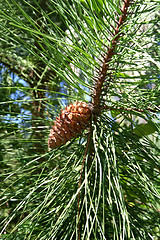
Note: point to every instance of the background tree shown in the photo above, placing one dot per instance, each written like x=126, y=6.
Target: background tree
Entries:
x=104, y=183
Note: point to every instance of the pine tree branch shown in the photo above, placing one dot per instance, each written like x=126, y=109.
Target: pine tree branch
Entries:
x=105, y=67
x=14, y=67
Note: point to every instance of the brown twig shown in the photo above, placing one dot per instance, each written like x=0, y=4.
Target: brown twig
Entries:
x=105, y=66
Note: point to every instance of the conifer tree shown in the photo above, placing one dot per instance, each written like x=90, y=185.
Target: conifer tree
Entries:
x=81, y=157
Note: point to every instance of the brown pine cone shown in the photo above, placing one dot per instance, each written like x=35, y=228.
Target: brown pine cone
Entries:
x=71, y=122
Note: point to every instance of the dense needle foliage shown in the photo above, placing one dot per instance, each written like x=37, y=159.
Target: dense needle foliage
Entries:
x=104, y=184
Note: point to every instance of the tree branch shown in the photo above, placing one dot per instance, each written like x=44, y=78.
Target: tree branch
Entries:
x=13, y=66
x=105, y=67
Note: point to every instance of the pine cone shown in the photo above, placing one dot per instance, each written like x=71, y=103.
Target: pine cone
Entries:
x=71, y=122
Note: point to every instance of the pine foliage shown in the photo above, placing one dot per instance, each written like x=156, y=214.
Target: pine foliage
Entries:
x=104, y=182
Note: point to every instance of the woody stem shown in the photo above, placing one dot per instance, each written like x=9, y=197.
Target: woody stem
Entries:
x=105, y=66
